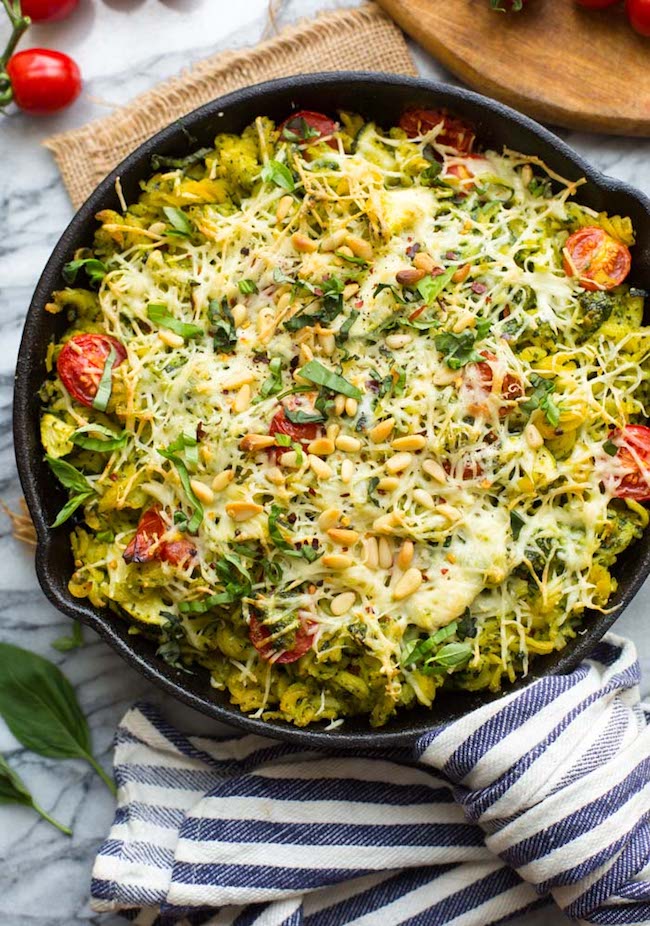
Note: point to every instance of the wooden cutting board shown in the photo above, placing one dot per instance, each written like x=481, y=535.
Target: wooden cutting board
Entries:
x=556, y=61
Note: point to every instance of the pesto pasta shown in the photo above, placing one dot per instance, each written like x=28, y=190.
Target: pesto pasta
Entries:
x=348, y=414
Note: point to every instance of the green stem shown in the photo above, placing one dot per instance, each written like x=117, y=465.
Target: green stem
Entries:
x=55, y=823
x=105, y=777
x=19, y=25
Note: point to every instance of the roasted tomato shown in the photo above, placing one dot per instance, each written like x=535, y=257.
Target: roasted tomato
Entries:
x=260, y=636
x=511, y=386
x=634, y=457
x=596, y=258
x=455, y=133
x=82, y=361
x=150, y=528
x=306, y=128
x=300, y=432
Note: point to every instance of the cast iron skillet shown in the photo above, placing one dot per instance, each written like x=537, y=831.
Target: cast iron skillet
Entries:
x=382, y=98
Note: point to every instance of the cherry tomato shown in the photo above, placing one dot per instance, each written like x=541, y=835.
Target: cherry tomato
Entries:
x=634, y=456
x=303, y=434
x=638, y=12
x=454, y=134
x=150, y=528
x=511, y=386
x=600, y=261
x=307, y=128
x=82, y=361
x=43, y=81
x=40, y=11
x=259, y=637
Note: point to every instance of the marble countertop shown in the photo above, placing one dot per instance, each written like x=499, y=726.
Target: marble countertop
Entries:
x=124, y=47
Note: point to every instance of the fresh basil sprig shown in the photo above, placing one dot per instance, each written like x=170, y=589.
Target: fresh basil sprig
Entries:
x=431, y=658
x=13, y=790
x=95, y=270
x=75, y=640
x=279, y=174
x=40, y=708
x=158, y=314
x=76, y=482
x=316, y=373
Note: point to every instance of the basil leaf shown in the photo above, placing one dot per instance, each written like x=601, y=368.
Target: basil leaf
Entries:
x=247, y=287
x=343, y=333
x=275, y=172
x=422, y=648
x=70, y=507
x=380, y=287
x=282, y=440
x=274, y=531
x=159, y=315
x=610, y=448
x=40, y=708
x=75, y=640
x=297, y=129
x=105, y=387
x=315, y=372
x=161, y=160
x=273, y=383
x=351, y=259
x=178, y=220
x=298, y=416
x=225, y=333
x=95, y=270
x=13, y=790
x=516, y=523
x=541, y=398
x=188, y=445
x=452, y=655
x=431, y=287
x=457, y=349
x=197, y=516
x=68, y=475
x=111, y=442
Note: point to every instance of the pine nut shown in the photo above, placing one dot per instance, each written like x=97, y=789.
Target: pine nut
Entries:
x=264, y=322
x=424, y=262
x=381, y=431
x=386, y=522
x=334, y=241
x=332, y=431
x=303, y=243
x=409, y=276
x=348, y=444
x=306, y=354
x=344, y=251
x=239, y=314
x=397, y=341
x=339, y=405
x=275, y=476
x=253, y=443
x=371, y=550
x=350, y=290
x=237, y=381
x=320, y=468
x=203, y=492
x=171, y=339
x=351, y=407
x=408, y=584
x=329, y=518
x=284, y=205
x=242, y=399
x=444, y=376
x=533, y=437
x=342, y=603
x=449, y=512
x=327, y=344
x=243, y=511
x=346, y=538
x=359, y=247
x=399, y=462
x=434, y=470
x=347, y=471
x=337, y=561
x=385, y=553
x=280, y=291
x=388, y=484
x=405, y=555
x=222, y=479
x=461, y=274
x=290, y=459
x=283, y=302
x=321, y=447
x=424, y=498
x=409, y=442
x=464, y=322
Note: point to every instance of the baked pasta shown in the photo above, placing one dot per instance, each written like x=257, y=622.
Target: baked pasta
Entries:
x=349, y=414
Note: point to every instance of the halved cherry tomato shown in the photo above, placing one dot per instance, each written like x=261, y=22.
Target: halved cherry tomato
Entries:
x=306, y=128
x=599, y=260
x=259, y=637
x=43, y=81
x=638, y=12
x=511, y=386
x=150, y=528
x=47, y=10
x=634, y=455
x=302, y=434
x=82, y=361
x=454, y=133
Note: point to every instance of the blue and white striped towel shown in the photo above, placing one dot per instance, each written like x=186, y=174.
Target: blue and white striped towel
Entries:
x=542, y=794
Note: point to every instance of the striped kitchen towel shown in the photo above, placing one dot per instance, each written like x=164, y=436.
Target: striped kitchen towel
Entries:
x=542, y=795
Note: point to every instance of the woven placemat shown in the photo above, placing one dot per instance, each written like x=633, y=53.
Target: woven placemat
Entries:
x=350, y=39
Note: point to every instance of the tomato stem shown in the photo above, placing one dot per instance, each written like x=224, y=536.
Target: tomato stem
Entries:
x=19, y=25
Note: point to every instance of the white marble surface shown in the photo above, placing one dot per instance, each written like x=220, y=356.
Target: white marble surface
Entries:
x=123, y=47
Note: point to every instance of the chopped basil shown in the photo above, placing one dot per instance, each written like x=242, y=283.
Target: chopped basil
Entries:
x=180, y=223
x=158, y=314
x=188, y=445
x=105, y=387
x=246, y=287
x=298, y=416
x=95, y=270
x=457, y=349
x=111, y=441
x=393, y=290
x=516, y=523
x=316, y=373
x=541, y=398
x=351, y=259
x=610, y=448
x=282, y=440
x=300, y=130
x=273, y=383
x=185, y=442
x=277, y=538
x=343, y=333
x=275, y=172
x=161, y=160
x=224, y=331
x=431, y=287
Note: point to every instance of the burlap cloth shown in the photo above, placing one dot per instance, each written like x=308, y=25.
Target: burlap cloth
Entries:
x=358, y=39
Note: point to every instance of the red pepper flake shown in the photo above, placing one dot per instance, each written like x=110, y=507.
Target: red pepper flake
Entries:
x=358, y=304
x=444, y=571
x=451, y=255
x=479, y=288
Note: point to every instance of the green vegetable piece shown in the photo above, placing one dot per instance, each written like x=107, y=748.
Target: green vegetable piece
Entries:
x=13, y=790
x=110, y=442
x=457, y=349
x=431, y=287
x=278, y=173
x=159, y=315
x=225, y=333
x=453, y=655
x=95, y=270
x=105, y=387
x=161, y=160
x=180, y=223
x=72, y=479
x=343, y=333
x=197, y=516
x=75, y=640
x=541, y=398
x=246, y=287
x=516, y=523
x=70, y=507
x=610, y=448
x=298, y=416
x=315, y=372
x=40, y=708
x=273, y=383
